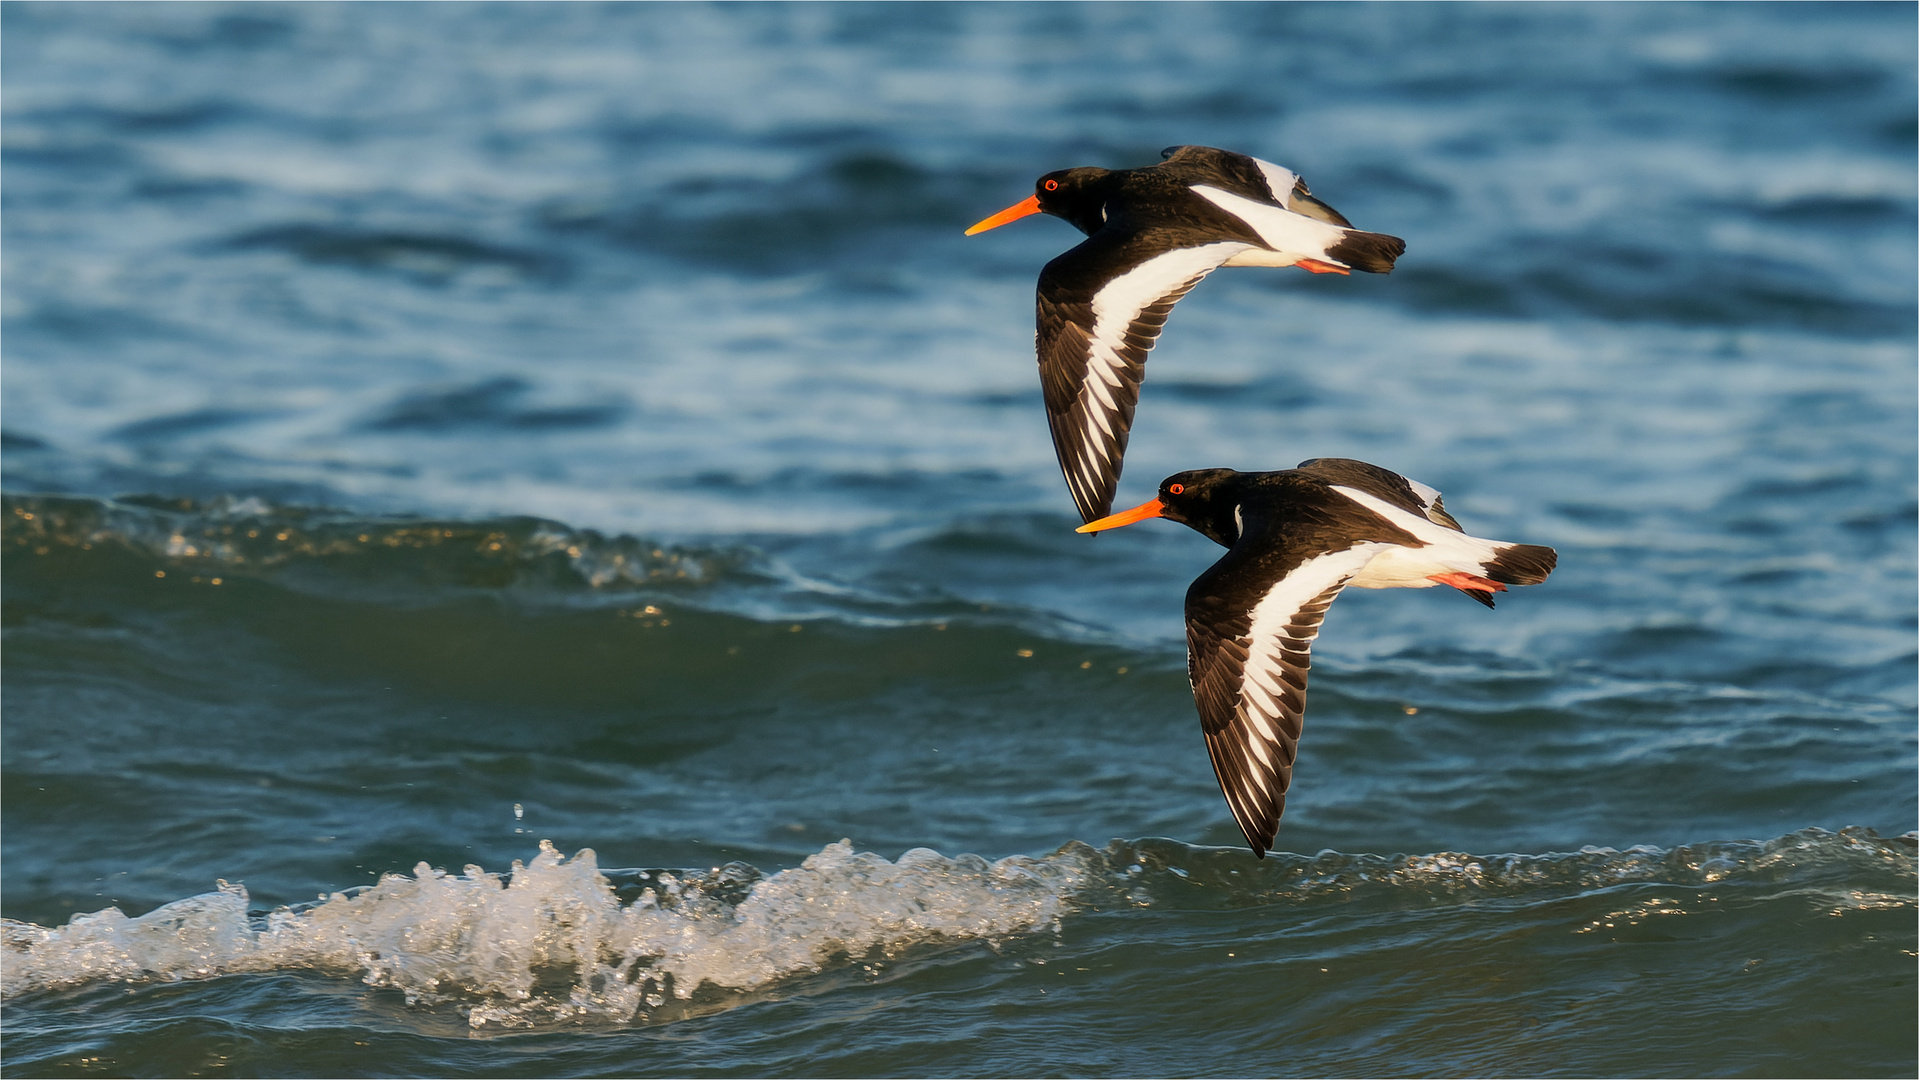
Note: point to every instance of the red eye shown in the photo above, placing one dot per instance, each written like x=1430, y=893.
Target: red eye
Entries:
x=1052, y=185
x=1176, y=489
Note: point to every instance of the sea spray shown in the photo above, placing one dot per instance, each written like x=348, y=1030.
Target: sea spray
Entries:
x=556, y=939
x=485, y=941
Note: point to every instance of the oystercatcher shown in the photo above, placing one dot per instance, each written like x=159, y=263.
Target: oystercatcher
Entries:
x=1295, y=538
x=1153, y=233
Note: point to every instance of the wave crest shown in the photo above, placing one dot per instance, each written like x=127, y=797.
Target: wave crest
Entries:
x=559, y=940
x=238, y=537
x=1171, y=874
x=554, y=940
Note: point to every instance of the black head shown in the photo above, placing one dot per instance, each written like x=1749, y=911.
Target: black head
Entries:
x=1205, y=500
x=1077, y=195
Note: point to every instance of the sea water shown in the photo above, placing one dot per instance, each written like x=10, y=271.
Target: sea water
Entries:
x=531, y=546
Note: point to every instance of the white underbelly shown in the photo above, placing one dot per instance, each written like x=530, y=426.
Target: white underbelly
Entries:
x=1262, y=257
x=1399, y=568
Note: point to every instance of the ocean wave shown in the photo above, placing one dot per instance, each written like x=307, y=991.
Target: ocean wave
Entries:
x=1169, y=873
x=1612, y=282
x=837, y=205
x=425, y=256
x=557, y=939
x=518, y=610
x=229, y=538
x=400, y=564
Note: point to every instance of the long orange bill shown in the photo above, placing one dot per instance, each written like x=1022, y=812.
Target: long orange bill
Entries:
x=1012, y=213
x=1124, y=517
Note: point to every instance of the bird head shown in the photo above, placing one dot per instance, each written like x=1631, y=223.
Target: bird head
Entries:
x=1204, y=500
x=1073, y=194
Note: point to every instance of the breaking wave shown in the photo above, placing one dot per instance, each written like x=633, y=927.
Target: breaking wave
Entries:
x=558, y=939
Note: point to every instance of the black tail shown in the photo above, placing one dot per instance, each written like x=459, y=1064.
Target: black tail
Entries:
x=1369, y=251
x=1522, y=564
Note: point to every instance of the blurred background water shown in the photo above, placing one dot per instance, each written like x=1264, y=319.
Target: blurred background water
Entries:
x=435, y=429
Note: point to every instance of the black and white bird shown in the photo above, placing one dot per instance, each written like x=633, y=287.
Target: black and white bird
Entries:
x=1295, y=538
x=1152, y=234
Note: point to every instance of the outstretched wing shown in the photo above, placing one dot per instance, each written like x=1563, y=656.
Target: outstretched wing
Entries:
x=1100, y=309
x=1250, y=625
x=1439, y=549
x=1400, y=491
x=1275, y=202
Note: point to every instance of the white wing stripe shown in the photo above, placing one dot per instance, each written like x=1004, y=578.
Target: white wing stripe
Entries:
x=1267, y=635
x=1428, y=531
x=1100, y=401
x=1119, y=302
x=1282, y=229
x=1427, y=495
x=1260, y=676
x=1134, y=291
x=1101, y=388
x=1279, y=178
x=1259, y=777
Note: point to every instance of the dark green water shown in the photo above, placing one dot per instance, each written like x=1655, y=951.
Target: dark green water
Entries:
x=432, y=432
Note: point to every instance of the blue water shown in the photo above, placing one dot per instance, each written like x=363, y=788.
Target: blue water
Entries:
x=435, y=430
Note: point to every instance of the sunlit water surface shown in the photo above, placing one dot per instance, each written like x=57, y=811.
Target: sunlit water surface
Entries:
x=432, y=431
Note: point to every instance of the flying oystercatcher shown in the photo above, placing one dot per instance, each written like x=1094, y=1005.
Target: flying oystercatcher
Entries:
x=1153, y=233
x=1295, y=538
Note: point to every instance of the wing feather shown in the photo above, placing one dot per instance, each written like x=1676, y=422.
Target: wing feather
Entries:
x=1250, y=625
x=1094, y=329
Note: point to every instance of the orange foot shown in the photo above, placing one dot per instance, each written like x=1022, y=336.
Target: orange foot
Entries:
x=1318, y=267
x=1465, y=582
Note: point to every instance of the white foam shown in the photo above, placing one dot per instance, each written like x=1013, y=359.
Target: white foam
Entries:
x=483, y=941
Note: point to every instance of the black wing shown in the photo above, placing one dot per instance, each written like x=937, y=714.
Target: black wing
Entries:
x=1250, y=625
x=1100, y=309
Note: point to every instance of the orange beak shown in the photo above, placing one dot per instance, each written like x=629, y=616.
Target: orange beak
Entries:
x=1012, y=213
x=1124, y=517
